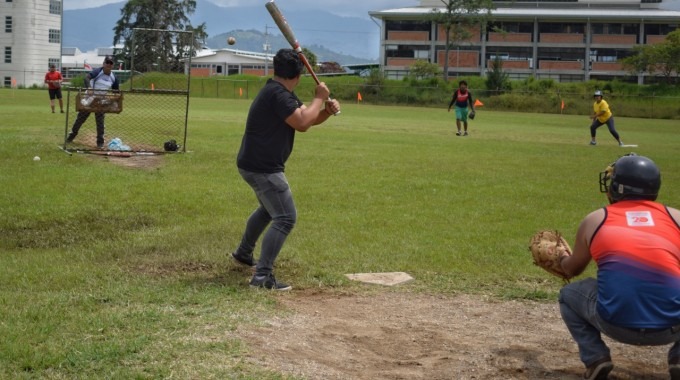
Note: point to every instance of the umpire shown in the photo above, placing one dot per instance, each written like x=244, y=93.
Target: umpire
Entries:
x=635, y=243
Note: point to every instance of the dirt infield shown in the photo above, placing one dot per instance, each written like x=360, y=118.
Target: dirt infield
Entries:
x=413, y=336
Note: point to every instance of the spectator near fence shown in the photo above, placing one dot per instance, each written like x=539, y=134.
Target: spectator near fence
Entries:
x=53, y=79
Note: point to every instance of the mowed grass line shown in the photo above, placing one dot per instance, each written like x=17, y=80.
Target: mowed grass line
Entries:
x=108, y=271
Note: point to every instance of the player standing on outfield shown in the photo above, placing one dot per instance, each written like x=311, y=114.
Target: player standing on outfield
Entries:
x=101, y=80
x=635, y=243
x=53, y=79
x=602, y=115
x=462, y=98
x=274, y=117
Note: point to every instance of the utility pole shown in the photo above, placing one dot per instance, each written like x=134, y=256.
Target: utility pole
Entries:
x=266, y=47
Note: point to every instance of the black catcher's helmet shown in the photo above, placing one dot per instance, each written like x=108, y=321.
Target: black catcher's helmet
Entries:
x=631, y=177
x=171, y=146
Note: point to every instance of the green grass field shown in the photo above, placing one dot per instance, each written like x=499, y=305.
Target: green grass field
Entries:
x=108, y=271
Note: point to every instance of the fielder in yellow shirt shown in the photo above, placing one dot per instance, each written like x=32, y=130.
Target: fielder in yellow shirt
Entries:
x=602, y=115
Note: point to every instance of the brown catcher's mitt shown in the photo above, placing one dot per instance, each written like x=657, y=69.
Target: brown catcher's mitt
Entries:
x=548, y=248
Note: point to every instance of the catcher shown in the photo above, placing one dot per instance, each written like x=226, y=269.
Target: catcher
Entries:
x=635, y=243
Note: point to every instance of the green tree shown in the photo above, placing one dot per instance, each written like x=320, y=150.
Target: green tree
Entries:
x=311, y=58
x=497, y=79
x=661, y=58
x=457, y=17
x=161, y=51
x=423, y=69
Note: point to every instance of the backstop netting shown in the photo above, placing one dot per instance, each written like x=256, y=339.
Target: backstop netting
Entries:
x=152, y=107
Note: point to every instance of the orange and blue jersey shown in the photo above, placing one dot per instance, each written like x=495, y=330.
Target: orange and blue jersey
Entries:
x=637, y=251
x=461, y=99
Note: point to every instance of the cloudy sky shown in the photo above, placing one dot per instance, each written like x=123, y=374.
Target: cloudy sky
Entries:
x=340, y=7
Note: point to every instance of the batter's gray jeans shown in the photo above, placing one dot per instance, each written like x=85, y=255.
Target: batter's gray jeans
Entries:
x=578, y=306
x=276, y=207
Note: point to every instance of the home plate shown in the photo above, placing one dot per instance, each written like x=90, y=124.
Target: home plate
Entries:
x=389, y=279
x=629, y=146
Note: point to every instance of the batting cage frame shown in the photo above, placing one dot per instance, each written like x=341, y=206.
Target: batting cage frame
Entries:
x=149, y=114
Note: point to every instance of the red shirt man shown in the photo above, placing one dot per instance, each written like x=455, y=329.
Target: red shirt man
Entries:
x=53, y=79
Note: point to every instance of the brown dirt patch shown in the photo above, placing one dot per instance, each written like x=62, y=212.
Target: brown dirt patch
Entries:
x=134, y=161
x=418, y=336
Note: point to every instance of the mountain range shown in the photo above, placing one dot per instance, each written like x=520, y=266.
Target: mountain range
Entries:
x=330, y=37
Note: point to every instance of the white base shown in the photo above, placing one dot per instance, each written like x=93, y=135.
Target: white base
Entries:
x=389, y=279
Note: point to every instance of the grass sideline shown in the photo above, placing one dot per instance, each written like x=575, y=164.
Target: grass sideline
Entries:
x=117, y=272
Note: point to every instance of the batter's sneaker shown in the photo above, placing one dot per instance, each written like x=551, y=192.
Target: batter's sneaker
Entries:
x=458, y=133
x=465, y=133
x=70, y=137
x=243, y=260
x=599, y=370
x=674, y=368
x=593, y=143
x=620, y=143
x=268, y=282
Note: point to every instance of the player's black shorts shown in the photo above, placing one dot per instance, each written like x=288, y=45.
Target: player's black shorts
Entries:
x=55, y=94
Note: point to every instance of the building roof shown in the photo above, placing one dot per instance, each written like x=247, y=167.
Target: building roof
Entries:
x=547, y=13
x=73, y=57
x=231, y=56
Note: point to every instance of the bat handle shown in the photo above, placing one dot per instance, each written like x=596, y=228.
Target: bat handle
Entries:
x=311, y=71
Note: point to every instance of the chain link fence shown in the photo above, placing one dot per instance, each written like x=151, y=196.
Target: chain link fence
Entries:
x=149, y=113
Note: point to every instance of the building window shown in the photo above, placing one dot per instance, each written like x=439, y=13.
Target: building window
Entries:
x=659, y=29
x=511, y=27
x=55, y=36
x=7, y=82
x=615, y=29
x=561, y=27
x=8, y=24
x=8, y=54
x=55, y=7
x=54, y=61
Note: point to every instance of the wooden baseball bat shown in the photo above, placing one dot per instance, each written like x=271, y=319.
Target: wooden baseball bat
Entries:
x=287, y=32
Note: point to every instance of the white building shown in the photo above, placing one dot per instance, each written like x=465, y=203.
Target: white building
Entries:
x=30, y=40
x=230, y=61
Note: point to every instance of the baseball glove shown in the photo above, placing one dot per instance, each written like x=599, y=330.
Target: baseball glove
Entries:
x=548, y=248
x=471, y=115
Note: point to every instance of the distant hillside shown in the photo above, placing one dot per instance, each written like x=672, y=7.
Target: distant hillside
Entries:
x=254, y=40
x=340, y=39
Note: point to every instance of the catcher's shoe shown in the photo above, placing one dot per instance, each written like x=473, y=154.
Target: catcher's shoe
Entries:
x=243, y=260
x=674, y=368
x=599, y=370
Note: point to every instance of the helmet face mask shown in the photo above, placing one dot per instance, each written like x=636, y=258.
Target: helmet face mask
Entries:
x=631, y=177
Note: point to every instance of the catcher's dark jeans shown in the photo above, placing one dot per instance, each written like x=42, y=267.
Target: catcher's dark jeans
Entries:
x=99, y=119
x=578, y=303
x=610, y=125
x=277, y=207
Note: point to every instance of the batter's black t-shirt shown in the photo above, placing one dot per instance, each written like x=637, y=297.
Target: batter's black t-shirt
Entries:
x=268, y=140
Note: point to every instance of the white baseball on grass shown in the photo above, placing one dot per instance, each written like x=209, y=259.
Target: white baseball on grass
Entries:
x=36, y=158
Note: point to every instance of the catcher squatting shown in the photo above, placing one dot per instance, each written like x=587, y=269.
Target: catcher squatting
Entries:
x=635, y=243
